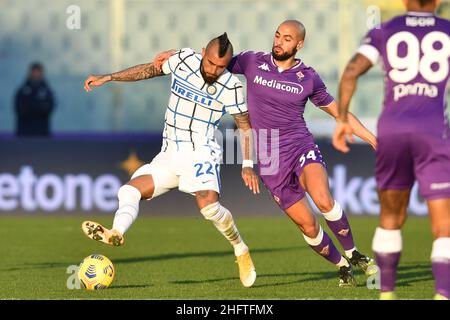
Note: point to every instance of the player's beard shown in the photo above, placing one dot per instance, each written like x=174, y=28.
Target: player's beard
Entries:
x=208, y=79
x=285, y=55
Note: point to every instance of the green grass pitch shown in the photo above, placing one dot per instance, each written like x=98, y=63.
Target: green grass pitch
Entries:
x=186, y=258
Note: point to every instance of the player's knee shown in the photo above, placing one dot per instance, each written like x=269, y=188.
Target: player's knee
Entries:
x=324, y=202
x=392, y=220
x=441, y=231
x=144, y=184
x=206, y=197
x=402, y=218
x=314, y=235
x=310, y=230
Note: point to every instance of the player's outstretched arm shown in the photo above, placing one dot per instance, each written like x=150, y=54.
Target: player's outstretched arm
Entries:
x=135, y=73
x=354, y=126
x=347, y=86
x=246, y=137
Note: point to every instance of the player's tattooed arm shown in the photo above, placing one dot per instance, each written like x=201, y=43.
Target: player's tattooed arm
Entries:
x=249, y=176
x=242, y=121
x=135, y=73
x=357, y=66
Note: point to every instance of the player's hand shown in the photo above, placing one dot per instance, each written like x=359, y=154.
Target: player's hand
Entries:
x=95, y=81
x=162, y=57
x=373, y=142
x=342, y=134
x=250, y=179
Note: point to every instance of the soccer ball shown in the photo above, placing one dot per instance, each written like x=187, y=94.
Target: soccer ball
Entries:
x=96, y=272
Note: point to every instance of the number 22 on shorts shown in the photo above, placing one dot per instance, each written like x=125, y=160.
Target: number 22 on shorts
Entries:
x=200, y=171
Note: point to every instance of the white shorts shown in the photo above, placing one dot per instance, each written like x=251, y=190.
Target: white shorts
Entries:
x=189, y=171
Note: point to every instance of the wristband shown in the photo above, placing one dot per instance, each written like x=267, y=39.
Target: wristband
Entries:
x=247, y=164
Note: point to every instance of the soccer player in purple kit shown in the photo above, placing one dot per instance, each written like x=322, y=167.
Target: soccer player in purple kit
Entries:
x=413, y=132
x=278, y=88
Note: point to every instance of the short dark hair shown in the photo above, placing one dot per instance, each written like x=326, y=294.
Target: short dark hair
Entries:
x=224, y=45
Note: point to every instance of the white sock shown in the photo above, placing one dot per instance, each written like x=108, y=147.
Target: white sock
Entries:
x=343, y=263
x=223, y=220
x=349, y=253
x=314, y=241
x=127, y=213
x=240, y=249
x=387, y=241
x=335, y=213
x=441, y=250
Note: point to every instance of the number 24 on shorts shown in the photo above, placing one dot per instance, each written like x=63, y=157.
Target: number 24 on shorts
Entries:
x=208, y=166
x=310, y=155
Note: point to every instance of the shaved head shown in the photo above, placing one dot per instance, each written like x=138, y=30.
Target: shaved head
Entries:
x=298, y=29
x=289, y=38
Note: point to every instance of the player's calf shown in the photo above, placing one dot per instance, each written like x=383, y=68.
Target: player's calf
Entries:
x=126, y=214
x=324, y=246
x=387, y=245
x=440, y=254
x=440, y=260
x=223, y=220
x=338, y=223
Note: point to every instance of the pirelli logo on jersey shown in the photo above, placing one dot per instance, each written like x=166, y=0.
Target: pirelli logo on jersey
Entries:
x=192, y=94
x=280, y=85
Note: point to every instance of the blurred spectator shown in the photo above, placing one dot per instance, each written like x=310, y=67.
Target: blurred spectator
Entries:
x=34, y=104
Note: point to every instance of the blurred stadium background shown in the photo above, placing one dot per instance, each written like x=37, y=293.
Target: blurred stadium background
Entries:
x=118, y=33
x=100, y=138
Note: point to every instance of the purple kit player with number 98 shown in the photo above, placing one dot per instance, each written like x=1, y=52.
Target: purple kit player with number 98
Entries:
x=413, y=132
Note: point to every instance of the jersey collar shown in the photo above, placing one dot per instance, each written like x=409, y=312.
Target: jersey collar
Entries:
x=299, y=63
x=420, y=14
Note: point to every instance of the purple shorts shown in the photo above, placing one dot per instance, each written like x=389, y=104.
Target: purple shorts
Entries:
x=284, y=185
x=401, y=158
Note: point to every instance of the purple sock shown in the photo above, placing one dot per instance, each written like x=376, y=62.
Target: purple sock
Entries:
x=441, y=271
x=327, y=249
x=341, y=229
x=387, y=262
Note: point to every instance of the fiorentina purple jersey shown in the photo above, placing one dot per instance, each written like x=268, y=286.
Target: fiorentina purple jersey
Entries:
x=276, y=99
x=415, y=50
